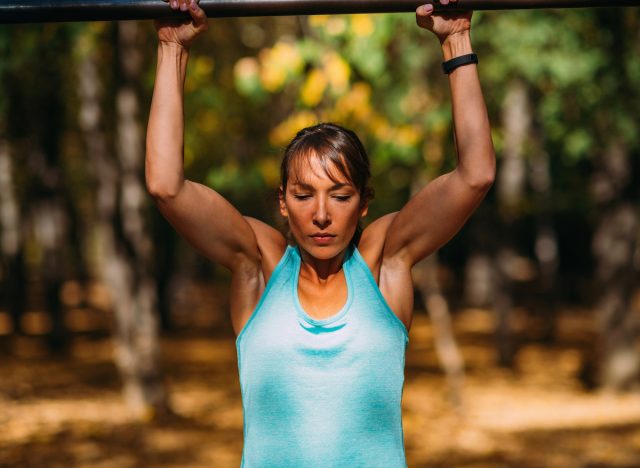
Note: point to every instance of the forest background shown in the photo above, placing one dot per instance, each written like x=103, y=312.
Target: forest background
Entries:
x=531, y=356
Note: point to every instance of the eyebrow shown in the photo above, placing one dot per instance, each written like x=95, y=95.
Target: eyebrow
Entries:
x=333, y=187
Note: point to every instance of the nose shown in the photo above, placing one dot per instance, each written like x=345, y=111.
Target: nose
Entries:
x=321, y=217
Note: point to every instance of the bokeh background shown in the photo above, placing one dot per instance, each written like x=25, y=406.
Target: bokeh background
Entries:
x=116, y=347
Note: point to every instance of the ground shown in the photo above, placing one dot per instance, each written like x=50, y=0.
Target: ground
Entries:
x=68, y=411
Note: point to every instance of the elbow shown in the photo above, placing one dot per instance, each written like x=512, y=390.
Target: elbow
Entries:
x=161, y=194
x=482, y=179
x=160, y=191
x=485, y=181
x=161, y=187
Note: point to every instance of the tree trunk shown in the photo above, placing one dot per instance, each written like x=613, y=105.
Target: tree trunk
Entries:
x=126, y=260
x=47, y=215
x=425, y=276
x=511, y=179
x=616, y=248
x=12, y=243
x=137, y=340
x=546, y=241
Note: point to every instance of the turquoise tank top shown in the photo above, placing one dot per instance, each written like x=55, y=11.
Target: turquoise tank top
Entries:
x=322, y=393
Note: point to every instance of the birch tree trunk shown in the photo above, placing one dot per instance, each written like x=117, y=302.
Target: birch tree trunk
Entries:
x=126, y=260
x=137, y=341
x=426, y=281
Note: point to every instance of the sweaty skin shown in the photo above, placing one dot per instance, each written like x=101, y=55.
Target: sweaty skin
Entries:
x=312, y=202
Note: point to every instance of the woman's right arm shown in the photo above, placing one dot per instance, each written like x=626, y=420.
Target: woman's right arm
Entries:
x=201, y=215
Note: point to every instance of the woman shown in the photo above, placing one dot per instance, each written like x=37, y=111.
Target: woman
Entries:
x=322, y=324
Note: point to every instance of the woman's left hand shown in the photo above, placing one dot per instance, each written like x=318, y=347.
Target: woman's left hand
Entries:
x=443, y=24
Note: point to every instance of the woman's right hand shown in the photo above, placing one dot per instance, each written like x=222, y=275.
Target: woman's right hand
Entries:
x=179, y=32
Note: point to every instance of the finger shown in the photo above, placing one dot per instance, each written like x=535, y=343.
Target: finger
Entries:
x=444, y=2
x=198, y=14
x=424, y=10
x=425, y=21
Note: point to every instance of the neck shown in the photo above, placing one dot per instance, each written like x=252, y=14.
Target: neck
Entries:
x=320, y=270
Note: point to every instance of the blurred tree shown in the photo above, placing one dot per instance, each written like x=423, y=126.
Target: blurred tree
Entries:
x=128, y=268
x=120, y=220
x=36, y=138
x=579, y=67
x=11, y=235
x=615, y=190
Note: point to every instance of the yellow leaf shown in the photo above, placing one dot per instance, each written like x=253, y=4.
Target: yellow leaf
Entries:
x=338, y=72
x=270, y=170
x=282, y=60
x=286, y=130
x=362, y=25
x=356, y=103
x=318, y=21
x=407, y=135
x=313, y=88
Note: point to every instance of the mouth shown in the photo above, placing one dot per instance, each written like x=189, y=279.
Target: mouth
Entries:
x=322, y=237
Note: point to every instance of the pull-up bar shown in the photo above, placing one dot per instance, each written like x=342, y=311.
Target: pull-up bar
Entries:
x=36, y=11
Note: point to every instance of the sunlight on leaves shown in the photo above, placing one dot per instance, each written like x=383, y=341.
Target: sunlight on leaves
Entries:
x=285, y=131
x=313, y=87
x=279, y=63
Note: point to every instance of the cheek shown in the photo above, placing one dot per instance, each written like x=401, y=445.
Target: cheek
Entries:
x=346, y=216
x=297, y=214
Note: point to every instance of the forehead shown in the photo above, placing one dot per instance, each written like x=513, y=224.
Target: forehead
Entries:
x=313, y=168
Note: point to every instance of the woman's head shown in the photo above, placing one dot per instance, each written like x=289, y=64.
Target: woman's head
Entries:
x=325, y=174
x=337, y=148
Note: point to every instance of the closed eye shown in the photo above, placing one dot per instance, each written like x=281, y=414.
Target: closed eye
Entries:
x=342, y=198
x=301, y=197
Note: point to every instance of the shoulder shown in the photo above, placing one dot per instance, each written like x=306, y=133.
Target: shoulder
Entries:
x=371, y=245
x=271, y=244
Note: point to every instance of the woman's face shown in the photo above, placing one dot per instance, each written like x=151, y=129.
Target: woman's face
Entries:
x=323, y=213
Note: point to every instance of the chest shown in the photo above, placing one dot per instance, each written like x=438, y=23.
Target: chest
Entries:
x=323, y=301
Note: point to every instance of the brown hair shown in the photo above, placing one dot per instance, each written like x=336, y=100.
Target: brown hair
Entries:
x=335, y=147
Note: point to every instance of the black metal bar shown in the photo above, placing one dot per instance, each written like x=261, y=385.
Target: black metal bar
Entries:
x=37, y=11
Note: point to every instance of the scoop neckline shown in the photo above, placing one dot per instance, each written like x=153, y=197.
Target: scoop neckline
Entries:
x=338, y=315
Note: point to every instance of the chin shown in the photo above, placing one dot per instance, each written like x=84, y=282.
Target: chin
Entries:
x=323, y=252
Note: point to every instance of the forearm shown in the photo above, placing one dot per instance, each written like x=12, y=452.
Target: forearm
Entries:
x=165, y=131
x=476, y=160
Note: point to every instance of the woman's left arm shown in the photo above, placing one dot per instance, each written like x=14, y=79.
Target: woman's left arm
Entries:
x=438, y=211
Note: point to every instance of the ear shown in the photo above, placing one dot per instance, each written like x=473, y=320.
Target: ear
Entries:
x=282, y=204
x=364, y=209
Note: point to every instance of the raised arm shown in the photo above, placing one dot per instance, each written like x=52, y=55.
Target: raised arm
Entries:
x=201, y=215
x=438, y=211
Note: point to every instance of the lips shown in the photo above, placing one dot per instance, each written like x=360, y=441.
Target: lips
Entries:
x=322, y=238
x=323, y=235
